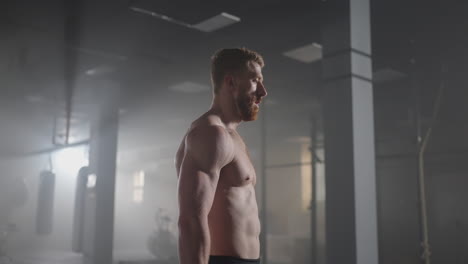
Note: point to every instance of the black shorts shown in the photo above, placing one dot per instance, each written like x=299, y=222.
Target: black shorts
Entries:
x=231, y=260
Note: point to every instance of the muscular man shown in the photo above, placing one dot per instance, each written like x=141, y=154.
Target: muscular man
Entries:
x=218, y=214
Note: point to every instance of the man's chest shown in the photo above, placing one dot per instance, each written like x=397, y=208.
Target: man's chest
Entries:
x=241, y=170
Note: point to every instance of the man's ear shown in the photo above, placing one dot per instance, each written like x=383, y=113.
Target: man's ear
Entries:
x=229, y=81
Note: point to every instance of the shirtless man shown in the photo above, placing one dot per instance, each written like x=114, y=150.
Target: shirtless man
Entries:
x=218, y=214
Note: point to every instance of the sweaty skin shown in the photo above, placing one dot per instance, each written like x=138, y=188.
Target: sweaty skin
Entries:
x=218, y=213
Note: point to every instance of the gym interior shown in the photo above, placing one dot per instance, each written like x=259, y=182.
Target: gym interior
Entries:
x=360, y=148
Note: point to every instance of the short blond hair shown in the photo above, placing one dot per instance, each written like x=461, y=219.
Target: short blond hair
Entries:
x=232, y=60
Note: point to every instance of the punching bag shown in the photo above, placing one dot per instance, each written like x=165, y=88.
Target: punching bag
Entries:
x=79, y=212
x=45, y=203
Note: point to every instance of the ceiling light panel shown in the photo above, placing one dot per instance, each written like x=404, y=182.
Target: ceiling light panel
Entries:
x=217, y=22
x=208, y=19
x=307, y=54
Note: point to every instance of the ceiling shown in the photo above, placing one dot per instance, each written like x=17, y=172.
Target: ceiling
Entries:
x=49, y=50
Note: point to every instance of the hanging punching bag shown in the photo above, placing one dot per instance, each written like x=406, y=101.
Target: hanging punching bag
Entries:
x=79, y=212
x=45, y=203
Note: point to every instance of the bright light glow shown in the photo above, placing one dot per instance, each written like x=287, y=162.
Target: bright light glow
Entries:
x=138, y=186
x=306, y=176
x=139, y=179
x=70, y=160
x=138, y=196
x=91, y=183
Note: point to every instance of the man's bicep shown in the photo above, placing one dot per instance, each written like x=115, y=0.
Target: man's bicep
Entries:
x=196, y=191
x=208, y=151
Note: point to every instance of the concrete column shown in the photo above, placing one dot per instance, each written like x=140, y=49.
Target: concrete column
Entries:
x=103, y=154
x=349, y=133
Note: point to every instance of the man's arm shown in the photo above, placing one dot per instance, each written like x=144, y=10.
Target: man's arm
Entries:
x=209, y=149
x=179, y=157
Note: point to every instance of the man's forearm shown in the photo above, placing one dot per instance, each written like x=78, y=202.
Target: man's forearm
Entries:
x=194, y=241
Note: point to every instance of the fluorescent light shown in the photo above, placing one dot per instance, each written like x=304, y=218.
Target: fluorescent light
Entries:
x=100, y=70
x=308, y=53
x=217, y=22
x=160, y=16
x=209, y=25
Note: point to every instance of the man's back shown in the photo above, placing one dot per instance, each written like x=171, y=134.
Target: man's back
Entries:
x=228, y=192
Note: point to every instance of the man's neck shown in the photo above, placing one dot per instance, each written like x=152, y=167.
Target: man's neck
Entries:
x=226, y=112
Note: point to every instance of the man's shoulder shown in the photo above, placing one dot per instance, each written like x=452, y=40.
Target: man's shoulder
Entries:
x=207, y=119
x=207, y=133
x=210, y=144
x=207, y=124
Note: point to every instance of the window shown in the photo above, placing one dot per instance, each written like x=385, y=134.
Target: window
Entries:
x=306, y=176
x=138, y=186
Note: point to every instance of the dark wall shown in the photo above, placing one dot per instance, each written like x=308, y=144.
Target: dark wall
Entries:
x=445, y=168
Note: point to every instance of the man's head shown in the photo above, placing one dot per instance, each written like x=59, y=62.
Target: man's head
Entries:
x=238, y=73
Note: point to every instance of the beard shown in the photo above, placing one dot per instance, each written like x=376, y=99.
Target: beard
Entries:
x=247, y=108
